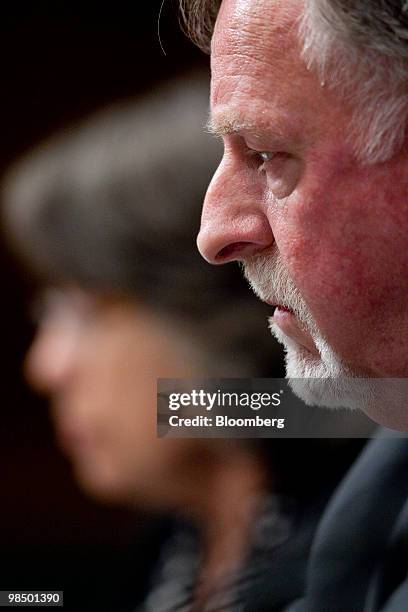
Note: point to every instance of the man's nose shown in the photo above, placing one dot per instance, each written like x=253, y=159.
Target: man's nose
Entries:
x=233, y=223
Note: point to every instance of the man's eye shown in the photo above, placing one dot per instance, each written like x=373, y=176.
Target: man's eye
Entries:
x=281, y=170
x=260, y=158
x=266, y=155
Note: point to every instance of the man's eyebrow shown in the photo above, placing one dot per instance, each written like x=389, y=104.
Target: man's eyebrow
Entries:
x=223, y=124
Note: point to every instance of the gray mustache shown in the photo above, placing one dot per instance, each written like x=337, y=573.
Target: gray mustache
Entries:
x=271, y=282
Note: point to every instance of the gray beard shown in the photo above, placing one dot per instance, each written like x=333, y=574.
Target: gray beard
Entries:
x=321, y=381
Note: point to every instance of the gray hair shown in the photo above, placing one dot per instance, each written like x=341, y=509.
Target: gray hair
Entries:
x=359, y=47
x=197, y=18
x=113, y=205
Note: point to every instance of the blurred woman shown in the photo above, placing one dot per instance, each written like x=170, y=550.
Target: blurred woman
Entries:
x=106, y=215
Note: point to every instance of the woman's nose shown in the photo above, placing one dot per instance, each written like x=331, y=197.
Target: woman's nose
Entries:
x=50, y=359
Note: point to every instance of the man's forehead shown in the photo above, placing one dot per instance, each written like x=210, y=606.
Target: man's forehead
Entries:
x=261, y=85
x=251, y=52
x=247, y=24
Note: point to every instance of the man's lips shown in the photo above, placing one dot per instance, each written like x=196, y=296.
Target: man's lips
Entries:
x=287, y=321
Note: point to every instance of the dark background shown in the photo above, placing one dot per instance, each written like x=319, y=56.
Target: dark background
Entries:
x=60, y=61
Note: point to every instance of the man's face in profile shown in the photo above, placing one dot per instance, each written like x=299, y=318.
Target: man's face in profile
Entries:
x=322, y=237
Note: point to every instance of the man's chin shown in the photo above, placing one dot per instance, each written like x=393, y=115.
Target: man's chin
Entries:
x=312, y=380
x=323, y=380
x=319, y=378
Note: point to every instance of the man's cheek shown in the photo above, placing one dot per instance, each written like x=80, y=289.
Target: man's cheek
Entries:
x=357, y=304
x=332, y=278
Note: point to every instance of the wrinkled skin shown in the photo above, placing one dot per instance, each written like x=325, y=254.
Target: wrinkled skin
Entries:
x=341, y=228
